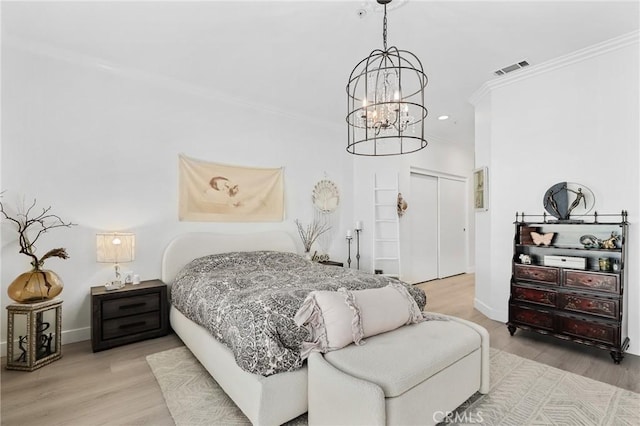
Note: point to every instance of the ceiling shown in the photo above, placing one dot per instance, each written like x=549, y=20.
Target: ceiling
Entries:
x=295, y=56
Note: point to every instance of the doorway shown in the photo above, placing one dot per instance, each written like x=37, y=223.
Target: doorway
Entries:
x=438, y=234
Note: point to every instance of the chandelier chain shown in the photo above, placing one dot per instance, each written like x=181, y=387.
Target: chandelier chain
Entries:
x=384, y=29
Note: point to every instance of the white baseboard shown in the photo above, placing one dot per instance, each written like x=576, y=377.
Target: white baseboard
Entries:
x=488, y=311
x=77, y=335
x=68, y=336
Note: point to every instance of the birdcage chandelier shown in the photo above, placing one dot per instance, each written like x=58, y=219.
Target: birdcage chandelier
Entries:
x=385, y=96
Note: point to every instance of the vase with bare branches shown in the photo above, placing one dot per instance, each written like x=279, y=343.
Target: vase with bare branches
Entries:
x=310, y=234
x=31, y=223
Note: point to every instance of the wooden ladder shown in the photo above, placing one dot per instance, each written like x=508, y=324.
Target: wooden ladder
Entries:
x=386, y=231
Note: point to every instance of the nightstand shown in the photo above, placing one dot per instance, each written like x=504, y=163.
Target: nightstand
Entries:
x=332, y=263
x=133, y=313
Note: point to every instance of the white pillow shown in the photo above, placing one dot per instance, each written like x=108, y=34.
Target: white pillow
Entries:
x=337, y=318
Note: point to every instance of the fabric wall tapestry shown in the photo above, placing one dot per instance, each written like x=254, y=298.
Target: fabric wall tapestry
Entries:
x=222, y=193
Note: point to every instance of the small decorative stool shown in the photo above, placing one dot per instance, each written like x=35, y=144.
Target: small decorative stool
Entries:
x=34, y=334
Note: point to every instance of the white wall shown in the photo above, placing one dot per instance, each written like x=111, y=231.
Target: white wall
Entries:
x=574, y=119
x=100, y=145
x=441, y=157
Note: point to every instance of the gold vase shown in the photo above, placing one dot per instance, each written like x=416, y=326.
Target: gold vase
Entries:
x=35, y=286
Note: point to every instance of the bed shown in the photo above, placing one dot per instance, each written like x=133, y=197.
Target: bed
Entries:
x=270, y=398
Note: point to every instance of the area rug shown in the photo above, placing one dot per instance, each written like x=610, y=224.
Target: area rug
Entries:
x=523, y=392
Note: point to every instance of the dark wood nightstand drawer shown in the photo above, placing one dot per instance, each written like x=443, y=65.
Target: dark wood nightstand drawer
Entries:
x=133, y=324
x=130, y=314
x=116, y=308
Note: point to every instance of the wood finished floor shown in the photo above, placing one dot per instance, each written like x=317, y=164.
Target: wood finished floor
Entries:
x=116, y=387
x=454, y=296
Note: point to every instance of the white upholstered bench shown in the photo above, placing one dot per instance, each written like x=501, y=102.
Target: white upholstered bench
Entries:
x=412, y=375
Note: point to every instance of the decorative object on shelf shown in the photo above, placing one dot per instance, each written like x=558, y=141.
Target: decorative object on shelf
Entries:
x=38, y=284
x=615, y=265
x=310, y=234
x=325, y=196
x=525, y=259
x=385, y=97
x=525, y=234
x=116, y=248
x=114, y=285
x=481, y=189
x=402, y=205
x=349, y=237
x=213, y=192
x=610, y=243
x=572, y=262
x=34, y=334
x=542, y=239
x=358, y=230
x=590, y=241
x=604, y=264
x=566, y=198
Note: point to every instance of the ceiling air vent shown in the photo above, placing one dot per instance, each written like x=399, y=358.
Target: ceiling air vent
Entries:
x=511, y=68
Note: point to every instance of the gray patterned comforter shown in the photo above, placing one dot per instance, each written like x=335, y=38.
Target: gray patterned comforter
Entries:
x=247, y=300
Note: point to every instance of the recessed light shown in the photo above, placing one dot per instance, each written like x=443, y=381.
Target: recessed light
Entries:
x=443, y=117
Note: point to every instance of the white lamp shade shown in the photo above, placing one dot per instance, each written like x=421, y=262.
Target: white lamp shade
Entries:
x=115, y=247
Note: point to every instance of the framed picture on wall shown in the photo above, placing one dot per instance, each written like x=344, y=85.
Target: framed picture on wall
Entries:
x=481, y=189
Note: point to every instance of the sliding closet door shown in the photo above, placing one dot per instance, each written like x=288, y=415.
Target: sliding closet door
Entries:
x=453, y=253
x=423, y=211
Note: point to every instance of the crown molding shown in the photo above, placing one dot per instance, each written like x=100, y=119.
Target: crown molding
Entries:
x=167, y=83
x=598, y=49
x=440, y=140
x=150, y=78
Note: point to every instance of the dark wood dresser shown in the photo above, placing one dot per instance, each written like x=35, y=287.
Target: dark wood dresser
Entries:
x=557, y=296
x=133, y=313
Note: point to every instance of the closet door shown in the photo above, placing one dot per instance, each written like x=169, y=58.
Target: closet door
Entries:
x=453, y=207
x=423, y=212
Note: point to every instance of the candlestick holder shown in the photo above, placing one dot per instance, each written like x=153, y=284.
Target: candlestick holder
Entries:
x=358, y=231
x=349, y=238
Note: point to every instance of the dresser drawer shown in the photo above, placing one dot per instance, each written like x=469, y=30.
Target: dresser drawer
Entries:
x=534, y=295
x=538, y=274
x=537, y=318
x=601, y=332
x=133, y=324
x=115, y=308
x=593, y=281
x=608, y=308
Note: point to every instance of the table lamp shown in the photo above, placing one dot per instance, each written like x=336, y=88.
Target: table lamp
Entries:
x=115, y=247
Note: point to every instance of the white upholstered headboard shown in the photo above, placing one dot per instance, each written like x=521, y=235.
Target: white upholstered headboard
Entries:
x=186, y=247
